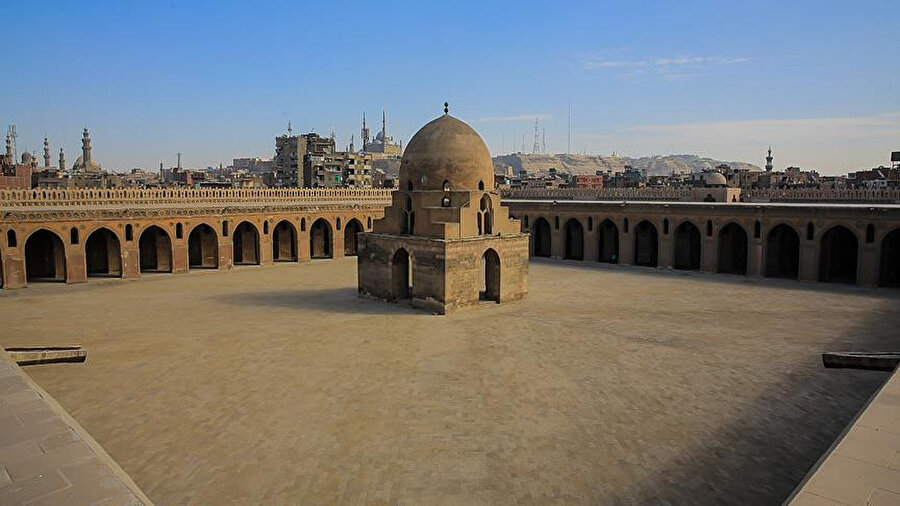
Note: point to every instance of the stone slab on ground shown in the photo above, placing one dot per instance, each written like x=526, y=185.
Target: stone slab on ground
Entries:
x=46, y=457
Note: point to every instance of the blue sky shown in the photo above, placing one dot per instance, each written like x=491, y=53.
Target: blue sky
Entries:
x=218, y=80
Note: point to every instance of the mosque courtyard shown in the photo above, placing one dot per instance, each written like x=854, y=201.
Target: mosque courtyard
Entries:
x=607, y=385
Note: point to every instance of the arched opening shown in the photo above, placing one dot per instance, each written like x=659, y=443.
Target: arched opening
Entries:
x=782, y=252
x=245, y=240
x=102, y=254
x=179, y=231
x=155, y=249
x=608, y=250
x=352, y=228
x=284, y=242
x=486, y=215
x=574, y=240
x=400, y=278
x=45, y=257
x=490, y=269
x=203, y=248
x=889, y=274
x=732, y=249
x=540, y=238
x=687, y=247
x=838, y=252
x=73, y=236
x=11, y=240
x=646, y=244
x=320, y=239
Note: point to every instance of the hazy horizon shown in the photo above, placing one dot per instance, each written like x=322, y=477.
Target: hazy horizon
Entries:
x=217, y=81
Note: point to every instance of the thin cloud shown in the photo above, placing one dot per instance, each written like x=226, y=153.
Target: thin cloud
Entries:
x=516, y=118
x=596, y=63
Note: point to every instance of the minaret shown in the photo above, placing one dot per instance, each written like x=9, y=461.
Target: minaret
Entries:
x=86, y=164
x=769, y=160
x=46, y=153
x=364, y=134
x=62, y=160
x=10, y=159
x=384, y=126
x=351, y=143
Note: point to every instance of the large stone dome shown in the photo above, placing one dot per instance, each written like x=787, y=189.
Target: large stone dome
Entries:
x=446, y=149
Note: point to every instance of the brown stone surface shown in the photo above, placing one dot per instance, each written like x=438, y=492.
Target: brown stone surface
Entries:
x=607, y=385
x=46, y=458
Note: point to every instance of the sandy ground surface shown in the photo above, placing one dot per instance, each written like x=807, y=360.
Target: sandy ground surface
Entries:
x=277, y=385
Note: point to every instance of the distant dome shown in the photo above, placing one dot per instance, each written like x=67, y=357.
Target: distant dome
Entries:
x=79, y=164
x=714, y=179
x=26, y=158
x=446, y=149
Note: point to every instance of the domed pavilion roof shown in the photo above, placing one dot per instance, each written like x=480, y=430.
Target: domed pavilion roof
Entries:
x=446, y=149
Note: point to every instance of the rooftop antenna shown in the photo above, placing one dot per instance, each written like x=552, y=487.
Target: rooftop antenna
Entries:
x=544, y=141
x=536, y=148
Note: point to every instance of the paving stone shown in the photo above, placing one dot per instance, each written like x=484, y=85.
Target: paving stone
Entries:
x=21, y=491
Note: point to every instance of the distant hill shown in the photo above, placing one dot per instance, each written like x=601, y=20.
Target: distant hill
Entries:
x=589, y=164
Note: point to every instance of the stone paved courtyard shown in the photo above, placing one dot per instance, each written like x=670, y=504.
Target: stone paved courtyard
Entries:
x=609, y=385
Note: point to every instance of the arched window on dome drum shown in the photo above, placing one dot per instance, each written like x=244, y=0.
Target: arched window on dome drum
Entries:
x=408, y=204
x=409, y=186
x=446, y=185
x=445, y=202
x=481, y=185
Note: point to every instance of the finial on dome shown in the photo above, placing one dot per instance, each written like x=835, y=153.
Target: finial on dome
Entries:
x=446, y=108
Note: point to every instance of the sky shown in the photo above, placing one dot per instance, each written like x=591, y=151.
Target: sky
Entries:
x=219, y=80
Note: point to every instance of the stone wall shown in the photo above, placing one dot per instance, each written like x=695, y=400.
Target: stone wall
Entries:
x=62, y=222
x=828, y=242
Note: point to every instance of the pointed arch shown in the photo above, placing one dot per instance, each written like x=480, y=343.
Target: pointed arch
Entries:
x=203, y=248
x=284, y=242
x=45, y=257
x=103, y=254
x=838, y=255
x=351, y=229
x=646, y=244
x=490, y=270
x=245, y=241
x=782, y=252
x=541, y=238
x=608, y=238
x=686, y=245
x=889, y=272
x=400, y=275
x=733, y=246
x=155, y=250
x=320, y=235
x=574, y=235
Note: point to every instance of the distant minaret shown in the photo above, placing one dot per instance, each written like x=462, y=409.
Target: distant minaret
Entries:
x=769, y=160
x=86, y=164
x=62, y=160
x=351, y=143
x=179, y=161
x=384, y=127
x=364, y=134
x=10, y=158
x=46, y=152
